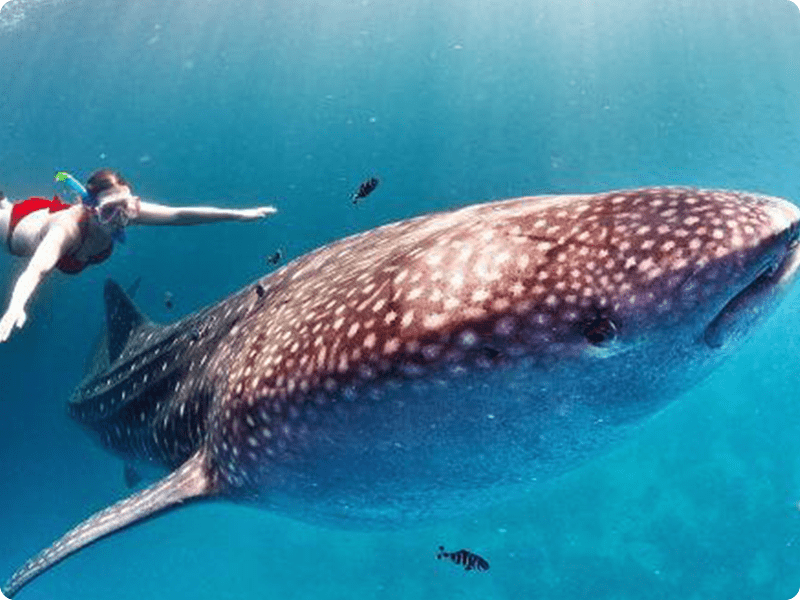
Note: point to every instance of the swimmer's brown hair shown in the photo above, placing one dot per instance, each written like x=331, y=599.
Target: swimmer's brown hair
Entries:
x=103, y=180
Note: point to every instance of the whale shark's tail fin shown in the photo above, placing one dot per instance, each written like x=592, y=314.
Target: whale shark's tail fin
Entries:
x=190, y=481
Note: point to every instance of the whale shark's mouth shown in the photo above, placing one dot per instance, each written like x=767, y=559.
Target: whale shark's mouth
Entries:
x=748, y=304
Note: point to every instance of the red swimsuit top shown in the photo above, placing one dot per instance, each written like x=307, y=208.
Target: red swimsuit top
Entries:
x=67, y=263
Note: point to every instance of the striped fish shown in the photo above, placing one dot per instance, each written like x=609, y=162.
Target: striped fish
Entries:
x=470, y=560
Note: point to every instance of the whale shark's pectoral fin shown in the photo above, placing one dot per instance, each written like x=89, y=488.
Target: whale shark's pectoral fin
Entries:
x=190, y=481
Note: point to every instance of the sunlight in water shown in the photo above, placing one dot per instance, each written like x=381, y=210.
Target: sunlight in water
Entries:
x=12, y=13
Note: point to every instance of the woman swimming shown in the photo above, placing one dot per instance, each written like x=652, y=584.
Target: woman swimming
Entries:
x=70, y=237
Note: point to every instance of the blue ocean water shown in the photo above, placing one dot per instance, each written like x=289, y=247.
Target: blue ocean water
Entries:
x=449, y=102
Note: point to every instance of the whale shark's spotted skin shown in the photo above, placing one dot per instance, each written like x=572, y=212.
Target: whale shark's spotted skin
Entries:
x=434, y=365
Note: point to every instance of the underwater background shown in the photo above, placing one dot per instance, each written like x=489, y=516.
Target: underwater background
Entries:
x=449, y=102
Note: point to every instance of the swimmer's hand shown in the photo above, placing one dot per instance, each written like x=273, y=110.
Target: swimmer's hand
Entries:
x=253, y=214
x=13, y=318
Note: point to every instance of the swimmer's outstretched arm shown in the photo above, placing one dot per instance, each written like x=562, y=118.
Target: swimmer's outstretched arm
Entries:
x=55, y=243
x=150, y=213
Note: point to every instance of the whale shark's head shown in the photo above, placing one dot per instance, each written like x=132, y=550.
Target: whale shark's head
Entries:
x=678, y=273
x=640, y=293
x=707, y=264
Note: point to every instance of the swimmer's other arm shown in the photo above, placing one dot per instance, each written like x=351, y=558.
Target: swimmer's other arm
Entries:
x=150, y=213
x=57, y=241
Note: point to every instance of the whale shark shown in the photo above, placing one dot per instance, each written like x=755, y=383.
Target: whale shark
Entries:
x=433, y=366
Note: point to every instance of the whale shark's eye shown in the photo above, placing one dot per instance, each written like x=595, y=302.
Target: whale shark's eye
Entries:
x=599, y=331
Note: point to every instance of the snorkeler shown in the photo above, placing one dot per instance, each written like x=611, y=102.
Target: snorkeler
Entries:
x=70, y=237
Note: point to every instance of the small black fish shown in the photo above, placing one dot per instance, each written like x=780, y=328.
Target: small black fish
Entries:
x=275, y=257
x=470, y=560
x=168, y=300
x=365, y=189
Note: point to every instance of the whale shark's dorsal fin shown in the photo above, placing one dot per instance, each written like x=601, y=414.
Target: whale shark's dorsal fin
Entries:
x=122, y=318
x=98, y=360
x=190, y=481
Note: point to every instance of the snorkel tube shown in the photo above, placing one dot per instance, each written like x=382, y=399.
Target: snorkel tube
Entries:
x=118, y=235
x=77, y=187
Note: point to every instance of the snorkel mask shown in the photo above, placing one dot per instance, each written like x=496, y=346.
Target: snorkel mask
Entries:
x=112, y=214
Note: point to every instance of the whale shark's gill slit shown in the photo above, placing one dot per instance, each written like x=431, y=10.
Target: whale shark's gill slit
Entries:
x=191, y=481
x=143, y=375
